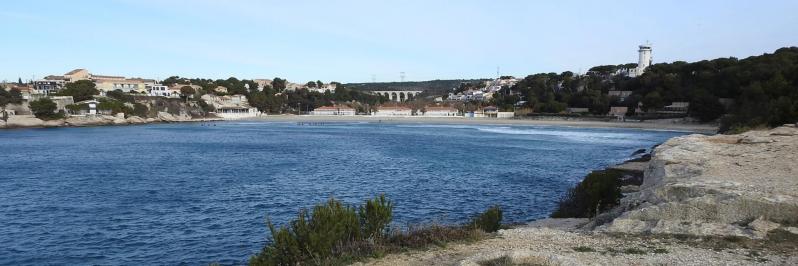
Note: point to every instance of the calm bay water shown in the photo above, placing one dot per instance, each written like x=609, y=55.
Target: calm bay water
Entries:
x=194, y=194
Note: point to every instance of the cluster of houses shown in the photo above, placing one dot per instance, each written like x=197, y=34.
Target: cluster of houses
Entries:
x=485, y=93
x=229, y=107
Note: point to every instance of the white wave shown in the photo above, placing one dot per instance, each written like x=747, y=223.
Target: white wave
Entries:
x=580, y=136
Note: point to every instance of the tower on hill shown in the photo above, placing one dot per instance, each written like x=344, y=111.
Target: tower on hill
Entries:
x=644, y=60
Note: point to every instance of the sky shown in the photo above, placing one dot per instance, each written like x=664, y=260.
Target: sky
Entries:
x=358, y=41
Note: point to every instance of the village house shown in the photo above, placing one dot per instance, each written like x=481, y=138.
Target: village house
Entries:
x=334, y=110
x=48, y=86
x=161, y=90
x=104, y=83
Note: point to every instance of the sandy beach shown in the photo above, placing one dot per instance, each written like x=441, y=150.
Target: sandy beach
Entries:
x=697, y=128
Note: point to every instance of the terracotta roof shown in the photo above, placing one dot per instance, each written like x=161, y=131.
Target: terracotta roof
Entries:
x=393, y=108
x=106, y=77
x=323, y=108
x=142, y=80
x=52, y=77
x=440, y=108
x=73, y=71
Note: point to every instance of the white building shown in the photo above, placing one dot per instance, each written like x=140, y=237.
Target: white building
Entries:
x=160, y=90
x=436, y=111
x=231, y=106
x=386, y=111
x=334, y=110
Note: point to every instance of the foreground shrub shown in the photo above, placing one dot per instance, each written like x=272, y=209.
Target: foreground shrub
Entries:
x=599, y=191
x=489, y=221
x=314, y=237
x=375, y=216
x=420, y=237
x=337, y=234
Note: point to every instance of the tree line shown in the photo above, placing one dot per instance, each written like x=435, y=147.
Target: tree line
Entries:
x=757, y=91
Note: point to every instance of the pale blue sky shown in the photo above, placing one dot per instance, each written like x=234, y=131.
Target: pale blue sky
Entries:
x=349, y=41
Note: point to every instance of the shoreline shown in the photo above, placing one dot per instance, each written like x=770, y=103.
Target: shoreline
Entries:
x=98, y=121
x=707, y=129
x=696, y=128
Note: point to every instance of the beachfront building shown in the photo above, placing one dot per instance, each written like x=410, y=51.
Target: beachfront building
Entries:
x=490, y=111
x=334, y=110
x=577, y=110
x=387, y=111
x=618, y=112
x=675, y=108
x=231, y=106
x=87, y=107
x=439, y=111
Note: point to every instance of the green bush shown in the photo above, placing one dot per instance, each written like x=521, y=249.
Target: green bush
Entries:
x=489, y=221
x=599, y=191
x=327, y=231
x=375, y=216
x=336, y=234
x=45, y=109
x=140, y=110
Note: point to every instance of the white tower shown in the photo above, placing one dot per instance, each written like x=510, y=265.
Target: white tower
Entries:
x=645, y=59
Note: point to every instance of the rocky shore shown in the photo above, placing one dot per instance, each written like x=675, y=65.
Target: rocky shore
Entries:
x=704, y=200
x=29, y=121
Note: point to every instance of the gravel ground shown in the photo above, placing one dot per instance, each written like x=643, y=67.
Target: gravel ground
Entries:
x=545, y=246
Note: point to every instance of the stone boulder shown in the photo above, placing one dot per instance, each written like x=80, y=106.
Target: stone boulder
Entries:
x=89, y=120
x=716, y=185
x=54, y=123
x=2, y=124
x=167, y=117
x=136, y=120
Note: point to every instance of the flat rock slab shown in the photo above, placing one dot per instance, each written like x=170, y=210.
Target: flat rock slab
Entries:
x=631, y=166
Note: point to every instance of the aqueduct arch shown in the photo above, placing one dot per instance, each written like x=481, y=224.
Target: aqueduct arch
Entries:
x=398, y=96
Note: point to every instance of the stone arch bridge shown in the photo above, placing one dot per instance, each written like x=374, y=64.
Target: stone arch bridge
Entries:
x=398, y=96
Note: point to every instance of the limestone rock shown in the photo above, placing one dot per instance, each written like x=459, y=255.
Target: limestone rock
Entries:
x=136, y=120
x=167, y=117
x=784, y=131
x=762, y=227
x=713, y=185
x=755, y=140
x=151, y=120
x=89, y=120
x=630, y=189
x=54, y=123
x=2, y=124
x=24, y=121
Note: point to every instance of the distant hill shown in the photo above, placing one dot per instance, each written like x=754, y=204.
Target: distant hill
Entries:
x=431, y=87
